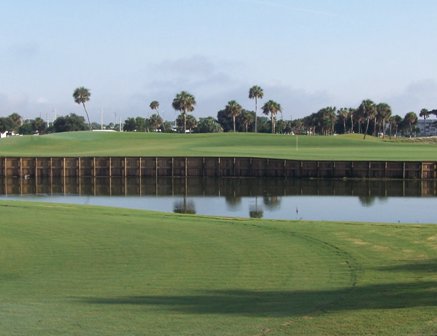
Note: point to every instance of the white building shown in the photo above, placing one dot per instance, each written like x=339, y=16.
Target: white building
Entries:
x=427, y=127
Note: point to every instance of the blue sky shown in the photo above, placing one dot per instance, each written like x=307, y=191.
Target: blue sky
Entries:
x=304, y=54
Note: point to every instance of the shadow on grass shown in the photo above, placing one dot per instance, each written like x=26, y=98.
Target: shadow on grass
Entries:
x=427, y=266
x=287, y=303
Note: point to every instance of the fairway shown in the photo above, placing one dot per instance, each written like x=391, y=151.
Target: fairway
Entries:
x=342, y=147
x=75, y=270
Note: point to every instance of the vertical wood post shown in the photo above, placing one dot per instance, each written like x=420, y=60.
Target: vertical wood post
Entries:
x=403, y=170
x=36, y=168
x=140, y=173
x=110, y=168
x=219, y=168
x=125, y=167
x=156, y=167
x=172, y=167
x=21, y=167
x=186, y=167
x=94, y=167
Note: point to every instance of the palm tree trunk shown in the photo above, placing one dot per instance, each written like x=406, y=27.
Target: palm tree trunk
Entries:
x=273, y=124
x=87, y=116
x=256, y=110
x=233, y=122
x=376, y=126
x=185, y=122
x=367, y=128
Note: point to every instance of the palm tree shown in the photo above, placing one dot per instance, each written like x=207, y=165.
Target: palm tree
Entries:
x=368, y=110
x=155, y=122
x=351, y=114
x=234, y=109
x=184, y=102
x=154, y=105
x=384, y=113
x=425, y=114
x=246, y=118
x=411, y=119
x=256, y=92
x=81, y=95
x=343, y=114
x=272, y=108
x=394, y=122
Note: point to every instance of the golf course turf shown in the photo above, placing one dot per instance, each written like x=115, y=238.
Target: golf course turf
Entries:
x=79, y=270
x=342, y=147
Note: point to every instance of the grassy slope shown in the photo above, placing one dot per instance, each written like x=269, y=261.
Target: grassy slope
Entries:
x=255, y=145
x=69, y=270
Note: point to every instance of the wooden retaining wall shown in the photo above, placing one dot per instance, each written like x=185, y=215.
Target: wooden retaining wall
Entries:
x=211, y=167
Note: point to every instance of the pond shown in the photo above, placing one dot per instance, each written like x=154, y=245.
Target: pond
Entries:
x=394, y=201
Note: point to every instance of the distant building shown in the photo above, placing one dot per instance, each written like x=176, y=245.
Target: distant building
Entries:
x=427, y=127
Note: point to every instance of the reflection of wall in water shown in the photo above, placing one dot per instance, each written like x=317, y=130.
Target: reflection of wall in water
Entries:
x=228, y=187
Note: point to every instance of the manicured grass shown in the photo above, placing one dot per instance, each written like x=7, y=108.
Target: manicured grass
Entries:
x=75, y=270
x=347, y=147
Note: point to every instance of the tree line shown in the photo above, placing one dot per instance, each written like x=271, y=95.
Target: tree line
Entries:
x=369, y=118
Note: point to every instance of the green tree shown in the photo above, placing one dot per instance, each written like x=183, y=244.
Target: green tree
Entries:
x=272, y=108
x=256, y=92
x=368, y=110
x=5, y=124
x=424, y=113
x=155, y=122
x=129, y=125
x=394, y=122
x=140, y=124
x=82, y=95
x=326, y=120
x=234, y=109
x=154, y=105
x=343, y=115
x=184, y=102
x=69, y=123
x=15, y=122
x=384, y=113
x=186, y=122
x=411, y=119
x=26, y=128
x=208, y=125
x=167, y=127
x=246, y=118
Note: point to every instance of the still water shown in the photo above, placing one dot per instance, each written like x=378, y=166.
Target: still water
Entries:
x=273, y=198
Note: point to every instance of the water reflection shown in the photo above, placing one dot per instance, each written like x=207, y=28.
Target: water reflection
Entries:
x=386, y=200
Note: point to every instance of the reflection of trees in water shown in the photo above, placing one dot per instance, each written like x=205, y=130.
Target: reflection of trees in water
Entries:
x=232, y=201
x=256, y=211
x=368, y=201
x=184, y=207
x=272, y=202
